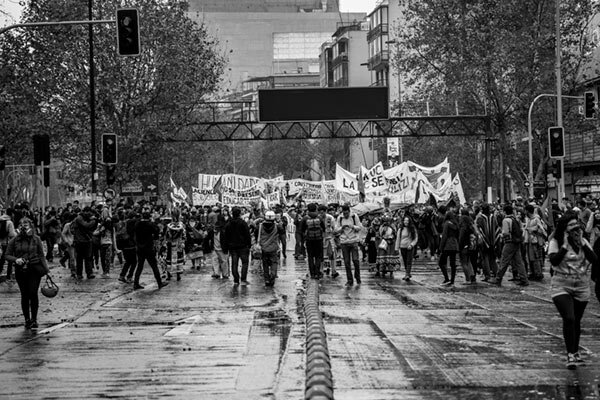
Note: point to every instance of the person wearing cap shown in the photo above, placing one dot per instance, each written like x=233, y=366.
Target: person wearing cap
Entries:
x=268, y=234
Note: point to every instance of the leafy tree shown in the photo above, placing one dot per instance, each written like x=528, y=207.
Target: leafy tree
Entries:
x=495, y=55
x=44, y=86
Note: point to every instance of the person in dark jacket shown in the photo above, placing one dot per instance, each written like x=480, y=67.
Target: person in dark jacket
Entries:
x=126, y=243
x=449, y=247
x=313, y=229
x=268, y=239
x=83, y=228
x=26, y=252
x=145, y=233
x=468, y=253
x=238, y=242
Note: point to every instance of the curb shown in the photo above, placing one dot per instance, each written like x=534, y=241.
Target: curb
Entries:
x=319, y=382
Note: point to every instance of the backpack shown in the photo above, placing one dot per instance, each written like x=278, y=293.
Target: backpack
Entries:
x=313, y=229
x=121, y=231
x=516, y=231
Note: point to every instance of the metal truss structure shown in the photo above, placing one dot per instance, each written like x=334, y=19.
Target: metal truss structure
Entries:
x=406, y=126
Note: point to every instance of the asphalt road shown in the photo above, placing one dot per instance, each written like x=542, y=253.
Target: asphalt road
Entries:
x=203, y=338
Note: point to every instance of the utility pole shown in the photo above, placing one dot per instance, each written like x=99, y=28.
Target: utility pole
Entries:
x=559, y=118
x=92, y=105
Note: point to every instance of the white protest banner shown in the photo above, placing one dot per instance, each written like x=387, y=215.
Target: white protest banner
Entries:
x=204, y=197
x=345, y=181
x=273, y=199
x=373, y=178
x=437, y=175
x=207, y=181
x=329, y=192
x=234, y=182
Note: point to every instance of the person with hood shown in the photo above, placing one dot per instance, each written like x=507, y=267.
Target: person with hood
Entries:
x=268, y=234
x=238, y=241
x=145, y=233
x=512, y=232
x=7, y=232
x=83, y=228
x=27, y=252
x=313, y=229
x=449, y=247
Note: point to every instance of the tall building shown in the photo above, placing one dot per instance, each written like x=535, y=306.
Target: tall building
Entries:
x=342, y=62
x=264, y=38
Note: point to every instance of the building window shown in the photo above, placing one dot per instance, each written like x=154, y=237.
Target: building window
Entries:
x=301, y=45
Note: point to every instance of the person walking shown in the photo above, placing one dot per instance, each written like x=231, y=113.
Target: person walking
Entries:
x=124, y=234
x=83, y=227
x=238, y=239
x=571, y=256
x=348, y=226
x=175, y=237
x=7, y=232
x=27, y=253
x=146, y=233
x=535, y=239
x=67, y=244
x=487, y=232
x=512, y=232
x=215, y=241
x=51, y=233
x=313, y=229
x=406, y=243
x=268, y=235
x=108, y=246
x=466, y=231
x=449, y=248
x=329, y=247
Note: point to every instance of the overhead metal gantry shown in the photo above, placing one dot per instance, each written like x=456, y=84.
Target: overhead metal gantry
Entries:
x=406, y=126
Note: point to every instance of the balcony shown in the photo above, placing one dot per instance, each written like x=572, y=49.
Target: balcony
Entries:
x=379, y=60
x=342, y=82
x=342, y=58
x=379, y=30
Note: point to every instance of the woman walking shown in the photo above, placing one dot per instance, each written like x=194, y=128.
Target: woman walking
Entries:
x=571, y=256
x=405, y=242
x=449, y=248
x=27, y=253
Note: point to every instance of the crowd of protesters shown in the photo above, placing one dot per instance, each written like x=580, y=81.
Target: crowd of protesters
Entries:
x=485, y=239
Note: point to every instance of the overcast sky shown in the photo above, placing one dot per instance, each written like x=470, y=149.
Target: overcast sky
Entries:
x=365, y=6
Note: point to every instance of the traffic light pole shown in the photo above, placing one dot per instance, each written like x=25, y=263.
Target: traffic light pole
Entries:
x=530, y=136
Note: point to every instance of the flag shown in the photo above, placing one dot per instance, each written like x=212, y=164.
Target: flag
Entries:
x=218, y=188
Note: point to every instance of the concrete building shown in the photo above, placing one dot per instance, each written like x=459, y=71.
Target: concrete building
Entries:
x=264, y=38
x=342, y=62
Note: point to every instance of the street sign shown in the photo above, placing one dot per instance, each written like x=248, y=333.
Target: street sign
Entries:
x=144, y=184
x=109, y=194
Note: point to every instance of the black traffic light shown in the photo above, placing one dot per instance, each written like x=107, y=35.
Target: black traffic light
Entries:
x=556, y=142
x=109, y=148
x=41, y=149
x=128, y=32
x=2, y=157
x=589, y=105
x=555, y=168
x=46, y=176
x=110, y=175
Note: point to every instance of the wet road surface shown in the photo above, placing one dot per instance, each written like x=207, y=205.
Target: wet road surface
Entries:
x=206, y=339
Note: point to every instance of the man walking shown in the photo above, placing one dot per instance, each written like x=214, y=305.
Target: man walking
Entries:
x=312, y=230
x=7, y=232
x=238, y=240
x=512, y=232
x=348, y=226
x=83, y=227
x=145, y=233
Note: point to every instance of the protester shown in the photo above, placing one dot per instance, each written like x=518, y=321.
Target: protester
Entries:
x=238, y=241
x=347, y=226
x=27, y=252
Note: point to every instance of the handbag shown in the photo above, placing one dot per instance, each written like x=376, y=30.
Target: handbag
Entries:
x=50, y=289
x=256, y=249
